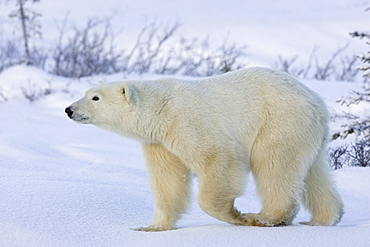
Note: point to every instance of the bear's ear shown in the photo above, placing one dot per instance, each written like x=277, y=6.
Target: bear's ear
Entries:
x=126, y=91
x=100, y=82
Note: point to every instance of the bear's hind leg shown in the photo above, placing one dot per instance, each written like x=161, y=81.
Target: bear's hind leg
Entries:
x=321, y=197
x=279, y=202
x=170, y=182
x=219, y=184
x=279, y=181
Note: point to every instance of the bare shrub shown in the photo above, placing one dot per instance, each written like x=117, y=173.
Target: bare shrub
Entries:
x=32, y=92
x=190, y=55
x=356, y=154
x=287, y=65
x=360, y=153
x=336, y=67
x=347, y=70
x=338, y=157
x=10, y=54
x=149, y=49
x=195, y=57
x=224, y=59
x=38, y=57
x=325, y=71
x=3, y=97
x=158, y=50
x=89, y=51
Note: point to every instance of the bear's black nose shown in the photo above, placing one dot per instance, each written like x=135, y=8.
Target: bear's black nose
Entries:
x=69, y=112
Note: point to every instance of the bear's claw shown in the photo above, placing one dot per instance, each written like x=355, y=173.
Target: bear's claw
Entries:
x=150, y=229
x=252, y=219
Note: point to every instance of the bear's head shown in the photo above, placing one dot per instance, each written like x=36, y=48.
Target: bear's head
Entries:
x=102, y=105
x=121, y=107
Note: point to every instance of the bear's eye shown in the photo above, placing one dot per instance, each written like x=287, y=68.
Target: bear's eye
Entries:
x=95, y=98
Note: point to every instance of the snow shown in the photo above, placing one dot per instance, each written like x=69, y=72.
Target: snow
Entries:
x=64, y=184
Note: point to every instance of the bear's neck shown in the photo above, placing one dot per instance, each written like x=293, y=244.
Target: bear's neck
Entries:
x=151, y=123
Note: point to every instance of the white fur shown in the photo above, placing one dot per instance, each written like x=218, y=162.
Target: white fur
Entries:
x=222, y=127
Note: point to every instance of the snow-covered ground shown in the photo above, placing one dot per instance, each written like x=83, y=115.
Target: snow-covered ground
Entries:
x=64, y=184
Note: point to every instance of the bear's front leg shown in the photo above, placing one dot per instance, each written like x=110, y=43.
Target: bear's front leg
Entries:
x=170, y=182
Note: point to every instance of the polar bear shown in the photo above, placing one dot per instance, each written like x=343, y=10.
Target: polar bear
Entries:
x=255, y=120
